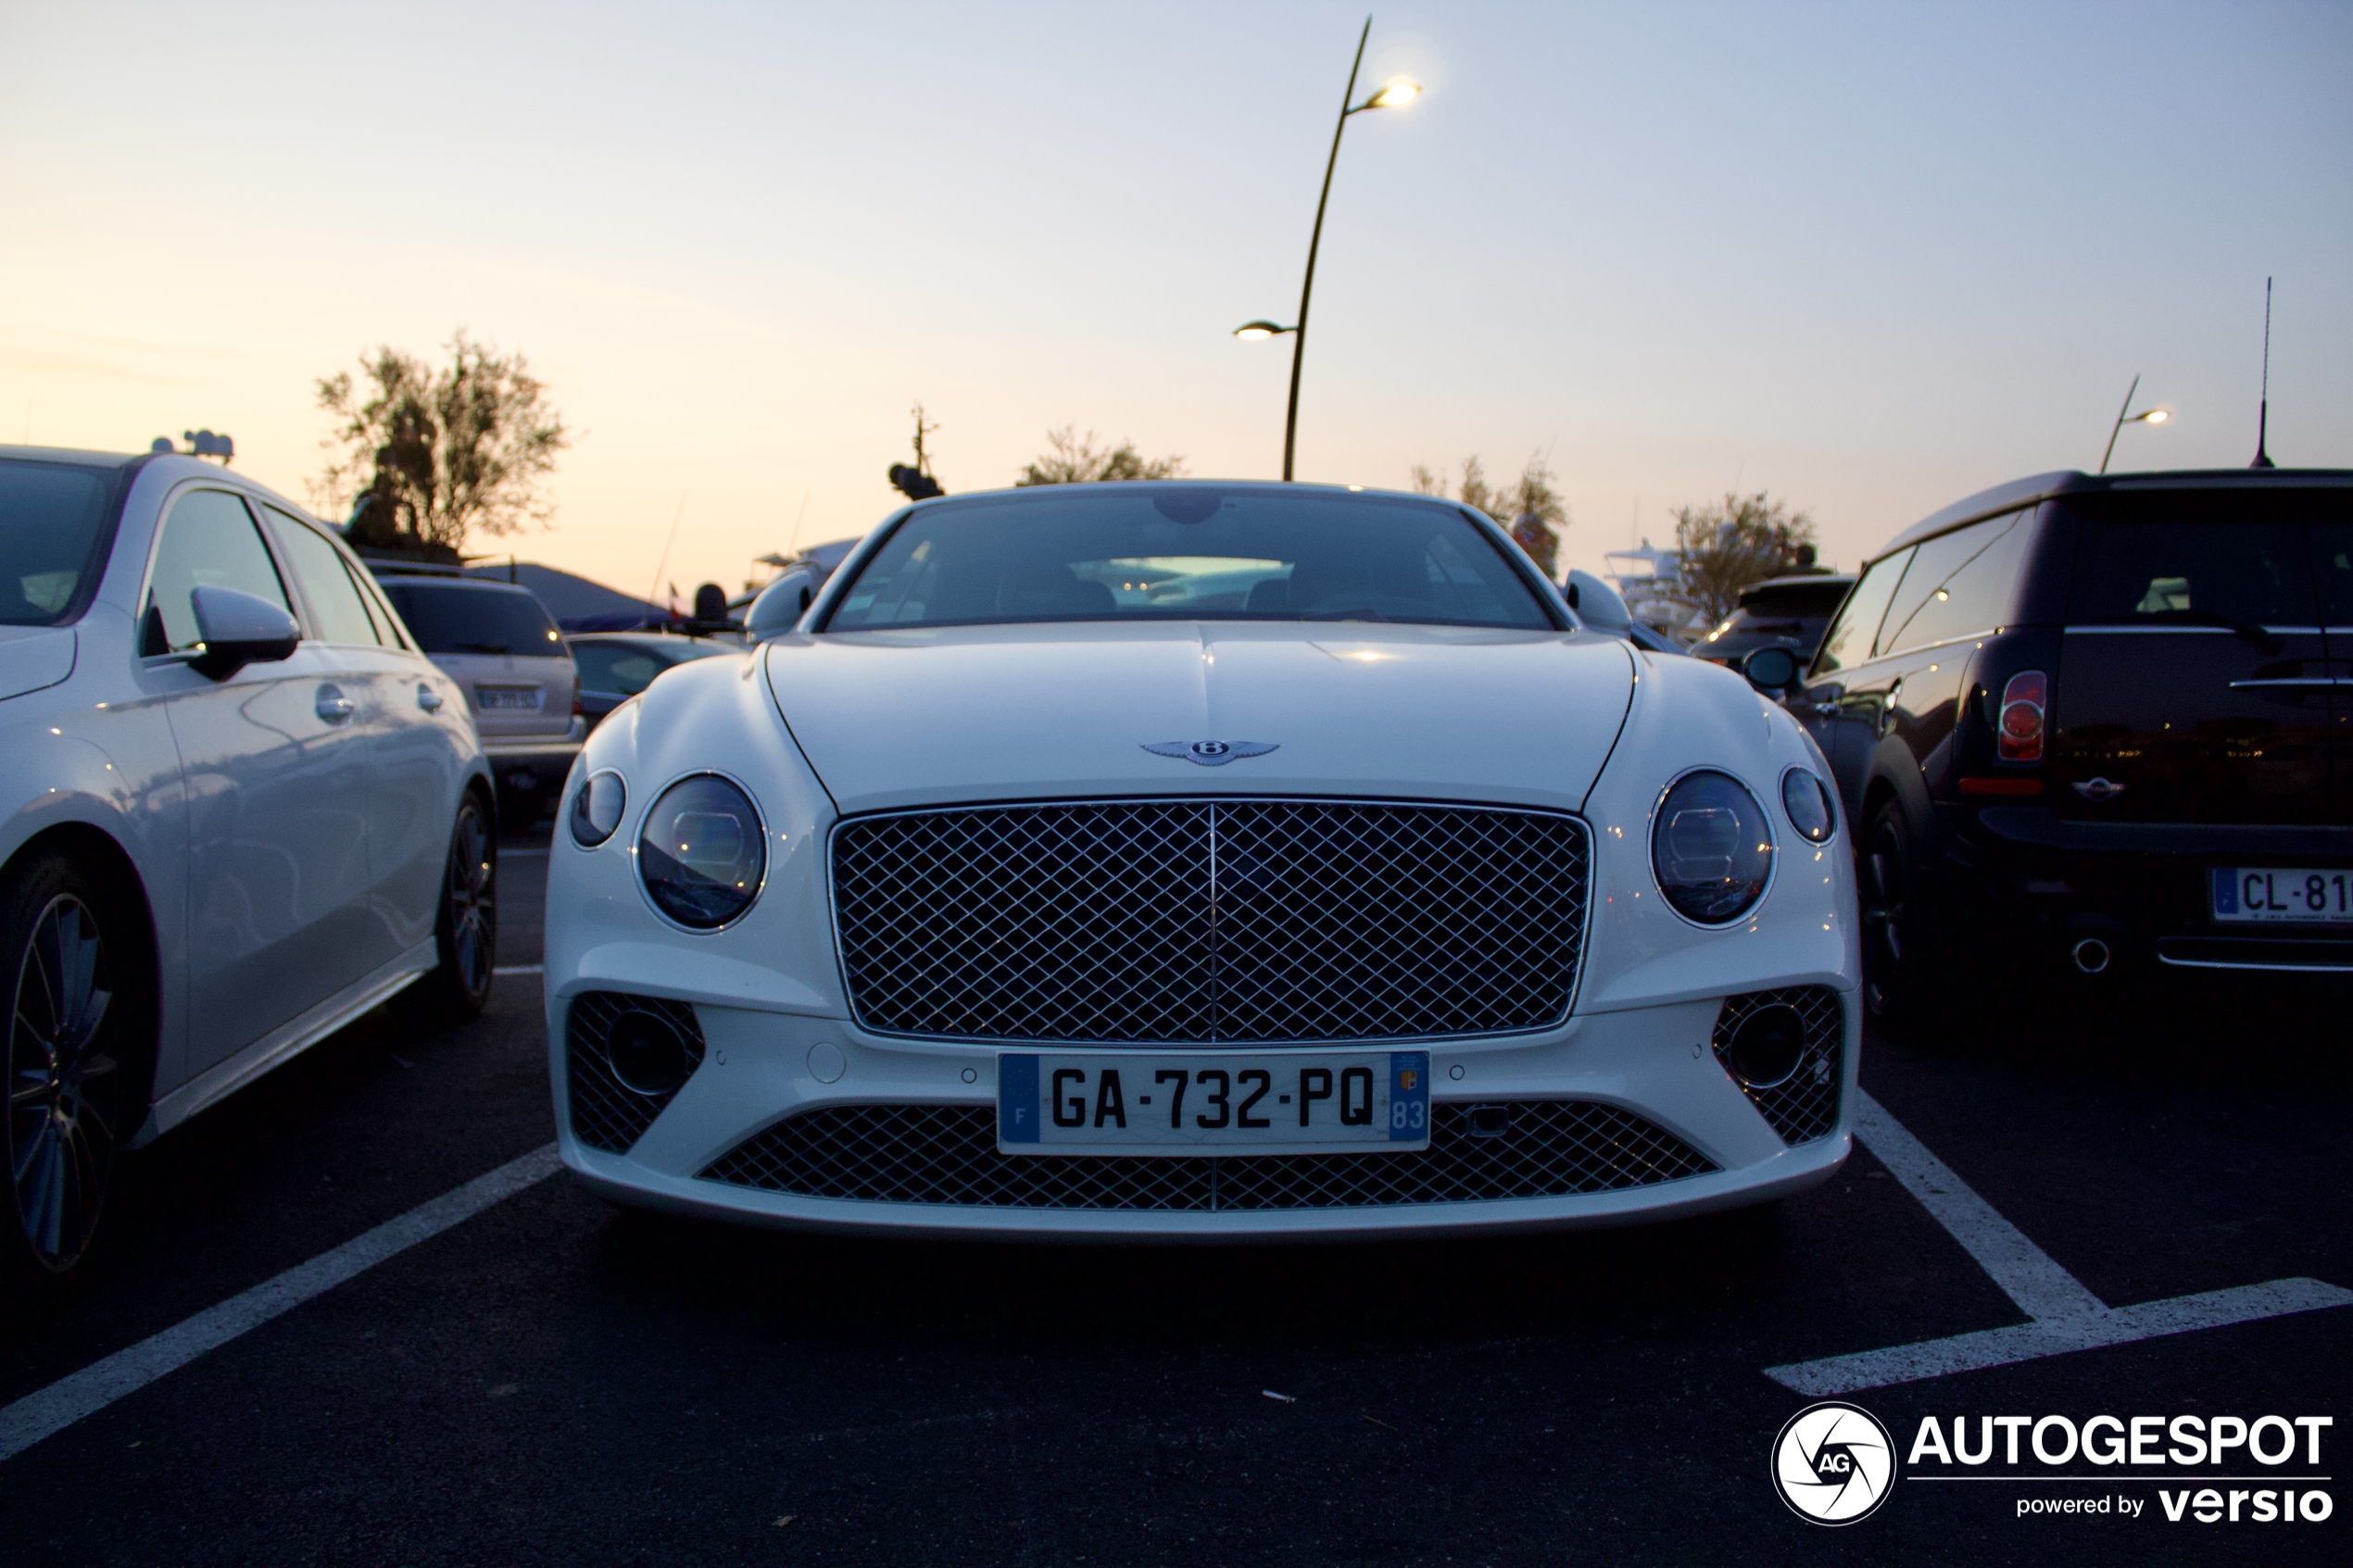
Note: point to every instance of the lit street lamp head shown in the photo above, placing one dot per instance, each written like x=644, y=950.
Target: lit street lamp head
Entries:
x=1259, y=332
x=1395, y=95
x=2154, y=416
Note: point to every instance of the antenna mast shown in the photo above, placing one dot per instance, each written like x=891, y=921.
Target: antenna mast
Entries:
x=2263, y=409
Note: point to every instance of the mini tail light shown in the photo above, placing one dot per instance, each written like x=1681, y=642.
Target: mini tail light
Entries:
x=2020, y=729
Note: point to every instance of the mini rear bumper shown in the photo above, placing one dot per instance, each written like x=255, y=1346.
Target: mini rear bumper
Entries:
x=2146, y=889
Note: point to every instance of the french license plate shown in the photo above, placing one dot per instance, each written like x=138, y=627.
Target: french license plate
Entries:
x=2269, y=893
x=1138, y=1102
x=509, y=700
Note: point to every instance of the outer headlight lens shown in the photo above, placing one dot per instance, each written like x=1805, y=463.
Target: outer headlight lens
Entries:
x=703, y=852
x=1711, y=848
x=1808, y=805
x=595, y=810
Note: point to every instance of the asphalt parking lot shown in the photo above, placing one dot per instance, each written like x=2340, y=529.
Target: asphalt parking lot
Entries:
x=553, y=1381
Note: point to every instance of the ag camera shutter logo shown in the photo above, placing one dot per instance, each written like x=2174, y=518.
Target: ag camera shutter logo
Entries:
x=1833, y=1463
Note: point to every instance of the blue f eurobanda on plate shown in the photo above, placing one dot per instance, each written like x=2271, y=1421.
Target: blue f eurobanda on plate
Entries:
x=1196, y=860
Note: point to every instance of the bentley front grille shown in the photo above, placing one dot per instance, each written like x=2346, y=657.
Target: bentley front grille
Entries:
x=1804, y=1106
x=947, y=1154
x=1210, y=922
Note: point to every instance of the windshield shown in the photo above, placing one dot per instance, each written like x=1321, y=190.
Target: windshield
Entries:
x=1158, y=552
x=55, y=521
x=460, y=618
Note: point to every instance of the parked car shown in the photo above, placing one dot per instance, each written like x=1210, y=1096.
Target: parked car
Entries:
x=242, y=810
x=616, y=666
x=498, y=642
x=2094, y=716
x=1196, y=860
x=1788, y=612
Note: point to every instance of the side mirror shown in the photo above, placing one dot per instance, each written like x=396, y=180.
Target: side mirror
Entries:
x=1770, y=669
x=780, y=606
x=1597, y=604
x=239, y=629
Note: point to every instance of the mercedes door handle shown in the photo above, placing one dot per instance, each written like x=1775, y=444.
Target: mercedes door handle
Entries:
x=334, y=707
x=428, y=699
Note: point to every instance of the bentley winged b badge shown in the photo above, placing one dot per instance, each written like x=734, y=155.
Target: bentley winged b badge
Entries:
x=1209, y=753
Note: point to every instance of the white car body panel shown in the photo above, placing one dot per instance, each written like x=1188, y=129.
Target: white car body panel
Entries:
x=817, y=727
x=291, y=866
x=918, y=718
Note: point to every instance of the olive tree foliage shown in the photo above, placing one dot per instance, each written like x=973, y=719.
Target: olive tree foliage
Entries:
x=1727, y=545
x=433, y=455
x=1531, y=506
x=1072, y=459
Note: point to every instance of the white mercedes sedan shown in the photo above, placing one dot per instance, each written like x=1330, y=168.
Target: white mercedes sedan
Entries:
x=1197, y=861
x=242, y=810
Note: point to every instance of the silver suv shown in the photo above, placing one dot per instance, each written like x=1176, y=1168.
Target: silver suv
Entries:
x=497, y=643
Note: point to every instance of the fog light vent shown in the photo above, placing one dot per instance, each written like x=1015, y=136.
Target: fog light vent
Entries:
x=625, y=1059
x=1786, y=1050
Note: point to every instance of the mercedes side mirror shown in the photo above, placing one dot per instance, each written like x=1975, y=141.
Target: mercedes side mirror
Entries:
x=1770, y=669
x=780, y=606
x=239, y=629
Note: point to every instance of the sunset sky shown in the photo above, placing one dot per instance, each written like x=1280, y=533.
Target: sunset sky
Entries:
x=1870, y=258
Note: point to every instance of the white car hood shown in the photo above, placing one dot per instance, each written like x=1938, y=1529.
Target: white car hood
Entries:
x=918, y=717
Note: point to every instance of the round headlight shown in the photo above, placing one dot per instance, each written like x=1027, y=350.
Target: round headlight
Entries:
x=1808, y=805
x=702, y=852
x=595, y=810
x=1711, y=848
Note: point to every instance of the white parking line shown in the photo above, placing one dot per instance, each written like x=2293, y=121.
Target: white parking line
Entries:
x=100, y=1383
x=2066, y=1315
x=521, y=969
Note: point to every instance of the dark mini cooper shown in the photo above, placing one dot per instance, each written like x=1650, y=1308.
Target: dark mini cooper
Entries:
x=2110, y=715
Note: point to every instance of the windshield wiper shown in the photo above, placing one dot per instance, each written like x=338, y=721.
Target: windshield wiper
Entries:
x=2245, y=631
x=1367, y=613
x=483, y=648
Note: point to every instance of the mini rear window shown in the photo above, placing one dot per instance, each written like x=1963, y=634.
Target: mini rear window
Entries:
x=2236, y=555
x=468, y=618
x=55, y=521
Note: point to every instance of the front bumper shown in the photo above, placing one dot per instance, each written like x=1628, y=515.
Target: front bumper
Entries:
x=757, y=1069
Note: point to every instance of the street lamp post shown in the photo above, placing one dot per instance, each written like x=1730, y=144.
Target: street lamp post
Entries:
x=1394, y=94
x=2124, y=416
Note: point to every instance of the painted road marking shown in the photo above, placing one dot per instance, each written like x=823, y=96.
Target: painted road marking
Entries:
x=2066, y=1315
x=521, y=969
x=126, y=1372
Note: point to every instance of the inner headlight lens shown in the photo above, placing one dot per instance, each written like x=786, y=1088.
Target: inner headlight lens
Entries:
x=702, y=853
x=1711, y=848
x=595, y=810
x=1808, y=805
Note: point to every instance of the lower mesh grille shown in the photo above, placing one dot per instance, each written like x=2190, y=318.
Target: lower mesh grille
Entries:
x=1806, y=1106
x=606, y=1113
x=947, y=1154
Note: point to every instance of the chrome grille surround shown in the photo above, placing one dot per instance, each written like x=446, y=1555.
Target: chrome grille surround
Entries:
x=605, y=1113
x=1201, y=920
x=947, y=1155
x=1806, y=1106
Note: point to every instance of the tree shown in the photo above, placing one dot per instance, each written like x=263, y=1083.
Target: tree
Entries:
x=1074, y=459
x=1529, y=507
x=1728, y=545
x=444, y=453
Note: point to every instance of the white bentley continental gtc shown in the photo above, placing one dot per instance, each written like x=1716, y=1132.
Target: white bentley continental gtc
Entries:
x=1203, y=862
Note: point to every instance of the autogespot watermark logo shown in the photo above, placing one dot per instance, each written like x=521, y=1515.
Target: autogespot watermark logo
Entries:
x=1833, y=1463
